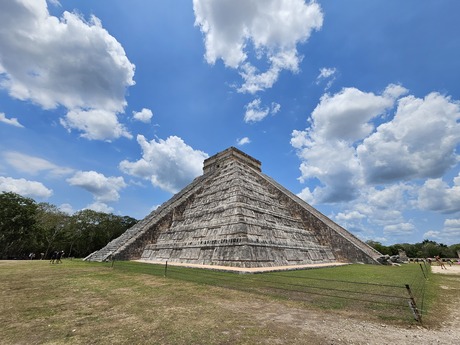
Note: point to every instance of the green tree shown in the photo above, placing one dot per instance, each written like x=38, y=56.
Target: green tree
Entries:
x=445, y=251
x=26, y=226
x=89, y=230
x=17, y=225
x=425, y=249
x=379, y=247
x=410, y=249
x=430, y=248
x=51, y=223
x=455, y=248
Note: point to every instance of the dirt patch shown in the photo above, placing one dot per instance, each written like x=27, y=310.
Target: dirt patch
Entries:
x=451, y=270
x=317, y=327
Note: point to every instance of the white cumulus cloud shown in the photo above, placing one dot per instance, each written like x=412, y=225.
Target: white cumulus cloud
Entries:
x=347, y=114
x=272, y=28
x=145, y=115
x=104, y=189
x=401, y=229
x=243, y=141
x=325, y=73
x=386, y=155
x=345, y=149
x=437, y=195
x=256, y=112
x=419, y=142
x=24, y=187
x=63, y=61
x=339, y=173
x=66, y=208
x=100, y=207
x=275, y=108
x=328, y=74
x=12, y=122
x=169, y=164
x=95, y=124
x=34, y=165
x=450, y=233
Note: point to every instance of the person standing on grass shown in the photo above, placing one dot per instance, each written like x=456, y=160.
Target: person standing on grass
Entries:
x=58, y=257
x=438, y=259
x=53, y=257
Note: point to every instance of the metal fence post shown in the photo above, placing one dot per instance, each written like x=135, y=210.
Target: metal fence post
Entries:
x=413, y=305
x=421, y=267
x=166, y=268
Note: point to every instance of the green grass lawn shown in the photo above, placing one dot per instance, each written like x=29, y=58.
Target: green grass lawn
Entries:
x=133, y=303
x=379, y=290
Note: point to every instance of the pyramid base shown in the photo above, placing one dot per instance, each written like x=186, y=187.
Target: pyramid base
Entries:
x=248, y=270
x=242, y=255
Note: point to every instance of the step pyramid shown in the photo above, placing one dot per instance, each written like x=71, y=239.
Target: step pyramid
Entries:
x=234, y=215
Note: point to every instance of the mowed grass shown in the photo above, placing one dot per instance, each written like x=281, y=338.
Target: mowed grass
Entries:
x=378, y=290
x=133, y=303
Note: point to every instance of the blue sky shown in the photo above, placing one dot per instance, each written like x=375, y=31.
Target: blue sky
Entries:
x=354, y=106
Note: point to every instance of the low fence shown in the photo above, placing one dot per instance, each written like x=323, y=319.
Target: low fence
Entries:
x=400, y=302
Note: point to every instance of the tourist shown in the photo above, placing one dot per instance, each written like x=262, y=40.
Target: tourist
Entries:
x=58, y=256
x=53, y=257
x=438, y=259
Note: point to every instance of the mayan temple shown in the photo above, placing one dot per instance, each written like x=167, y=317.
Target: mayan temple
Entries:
x=234, y=215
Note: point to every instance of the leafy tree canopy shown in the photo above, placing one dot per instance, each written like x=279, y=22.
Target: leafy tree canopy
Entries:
x=27, y=227
x=425, y=249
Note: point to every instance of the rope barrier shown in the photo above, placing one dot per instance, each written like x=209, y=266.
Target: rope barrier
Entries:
x=297, y=285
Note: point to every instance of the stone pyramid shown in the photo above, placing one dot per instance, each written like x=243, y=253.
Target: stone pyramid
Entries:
x=234, y=215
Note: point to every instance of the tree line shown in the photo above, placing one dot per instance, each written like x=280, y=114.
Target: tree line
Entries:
x=30, y=227
x=425, y=249
x=41, y=228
